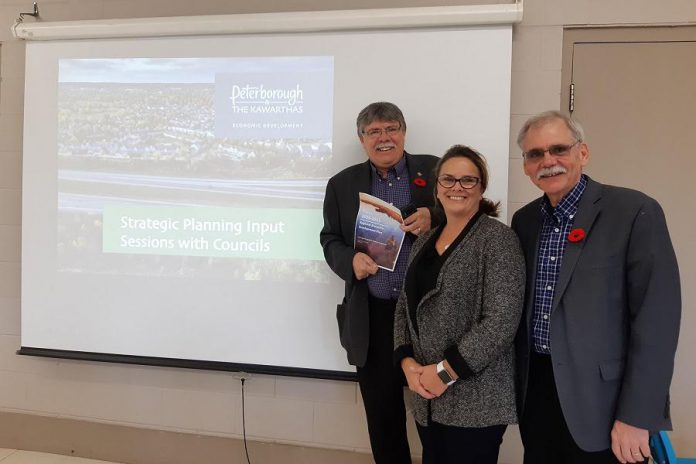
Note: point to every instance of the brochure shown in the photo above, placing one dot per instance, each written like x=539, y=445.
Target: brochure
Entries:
x=377, y=231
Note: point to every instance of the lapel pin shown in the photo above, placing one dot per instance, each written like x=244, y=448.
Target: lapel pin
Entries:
x=576, y=235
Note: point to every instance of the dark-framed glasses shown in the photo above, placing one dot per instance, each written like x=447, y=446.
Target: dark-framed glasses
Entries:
x=558, y=150
x=374, y=133
x=467, y=182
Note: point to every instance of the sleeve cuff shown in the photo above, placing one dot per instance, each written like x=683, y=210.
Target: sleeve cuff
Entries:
x=457, y=363
x=404, y=351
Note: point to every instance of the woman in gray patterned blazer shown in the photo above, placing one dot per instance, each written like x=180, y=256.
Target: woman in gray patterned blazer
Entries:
x=456, y=319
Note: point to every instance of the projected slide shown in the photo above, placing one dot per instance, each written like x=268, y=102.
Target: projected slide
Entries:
x=173, y=186
x=194, y=157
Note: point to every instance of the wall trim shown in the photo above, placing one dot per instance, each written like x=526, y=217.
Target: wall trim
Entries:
x=119, y=443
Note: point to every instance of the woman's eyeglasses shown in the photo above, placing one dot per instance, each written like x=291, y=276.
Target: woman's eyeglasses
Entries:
x=467, y=182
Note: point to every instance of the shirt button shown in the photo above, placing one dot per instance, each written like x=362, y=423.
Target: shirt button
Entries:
x=556, y=229
x=544, y=346
x=390, y=184
x=546, y=316
x=571, y=216
x=553, y=258
x=398, y=178
x=395, y=289
x=549, y=288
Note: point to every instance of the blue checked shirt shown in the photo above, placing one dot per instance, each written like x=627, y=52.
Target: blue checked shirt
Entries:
x=558, y=222
x=396, y=190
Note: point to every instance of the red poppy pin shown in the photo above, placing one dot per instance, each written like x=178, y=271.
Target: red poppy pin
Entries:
x=419, y=181
x=576, y=235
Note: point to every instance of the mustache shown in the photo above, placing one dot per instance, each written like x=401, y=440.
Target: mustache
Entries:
x=552, y=171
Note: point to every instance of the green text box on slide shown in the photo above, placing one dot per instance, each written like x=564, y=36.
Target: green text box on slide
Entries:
x=263, y=233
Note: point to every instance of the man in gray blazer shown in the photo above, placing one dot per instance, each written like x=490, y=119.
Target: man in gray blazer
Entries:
x=366, y=314
x=595, y=348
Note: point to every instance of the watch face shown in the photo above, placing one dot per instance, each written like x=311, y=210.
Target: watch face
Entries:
x=444, y=376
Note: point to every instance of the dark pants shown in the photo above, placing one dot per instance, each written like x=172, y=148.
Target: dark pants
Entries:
x=382, y=388
x=543, y=428
x=444, y=444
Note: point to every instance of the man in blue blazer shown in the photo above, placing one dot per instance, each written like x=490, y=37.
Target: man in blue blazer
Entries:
x=366, y=315
x=596, y=345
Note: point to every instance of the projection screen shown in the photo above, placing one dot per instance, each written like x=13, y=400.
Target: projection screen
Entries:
x=172, y=187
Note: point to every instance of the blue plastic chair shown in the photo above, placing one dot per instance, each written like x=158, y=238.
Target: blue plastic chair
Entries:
x=663, y=453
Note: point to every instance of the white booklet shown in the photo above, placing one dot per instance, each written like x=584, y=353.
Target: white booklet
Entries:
x=377, y=231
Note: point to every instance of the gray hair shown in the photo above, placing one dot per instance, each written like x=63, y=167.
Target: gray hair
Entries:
x=548, y=116
x=379, y=111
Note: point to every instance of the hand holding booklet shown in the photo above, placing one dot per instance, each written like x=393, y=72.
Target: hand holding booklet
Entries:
x=378, y=231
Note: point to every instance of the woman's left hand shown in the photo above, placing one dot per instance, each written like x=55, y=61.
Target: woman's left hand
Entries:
x=431, y=381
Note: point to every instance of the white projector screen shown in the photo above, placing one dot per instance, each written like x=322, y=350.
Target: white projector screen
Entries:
x=172, y=187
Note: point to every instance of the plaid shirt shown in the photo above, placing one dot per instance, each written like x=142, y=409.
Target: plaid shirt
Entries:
x=396, y=190
x=558, y=223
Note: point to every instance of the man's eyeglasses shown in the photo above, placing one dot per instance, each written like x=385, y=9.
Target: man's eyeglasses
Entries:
x=467, y=182
x=536, y=154
x=374, y=133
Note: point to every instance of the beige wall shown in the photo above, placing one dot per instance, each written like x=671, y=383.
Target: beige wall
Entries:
x=311, y=413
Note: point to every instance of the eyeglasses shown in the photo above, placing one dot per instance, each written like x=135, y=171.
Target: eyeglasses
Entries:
x=374, y=133
x=467, y=182
x=559, y=150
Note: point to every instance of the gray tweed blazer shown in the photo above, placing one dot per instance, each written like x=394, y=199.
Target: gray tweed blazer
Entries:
x=475, y=309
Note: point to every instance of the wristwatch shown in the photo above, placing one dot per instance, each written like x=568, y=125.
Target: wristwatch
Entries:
x=443, y=374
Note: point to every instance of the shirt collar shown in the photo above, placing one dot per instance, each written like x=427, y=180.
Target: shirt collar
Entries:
x=568, y=206
x=399, y=169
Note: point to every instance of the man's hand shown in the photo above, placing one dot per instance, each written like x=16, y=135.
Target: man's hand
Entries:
x=363, y=266
x=418, y=222
x=629, y=444
x=431, y=381
x=412, y=371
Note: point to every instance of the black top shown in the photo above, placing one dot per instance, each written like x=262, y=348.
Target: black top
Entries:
x=428, y=263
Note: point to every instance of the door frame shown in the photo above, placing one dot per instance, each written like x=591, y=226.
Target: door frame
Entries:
x=613, y=34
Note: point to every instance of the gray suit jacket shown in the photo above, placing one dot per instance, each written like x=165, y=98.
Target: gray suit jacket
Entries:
x=470, y=318
x=341, y=205
x=615, y=314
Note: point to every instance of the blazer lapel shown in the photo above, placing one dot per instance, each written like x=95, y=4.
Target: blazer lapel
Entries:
x=361, y=183
x=588, y=209
x=364, y=182
x=419, y=194
x=532, y=229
